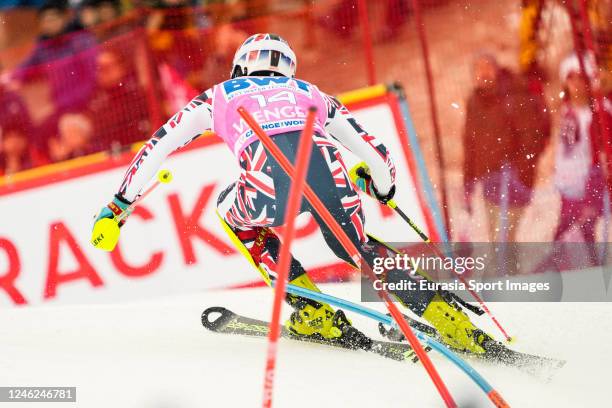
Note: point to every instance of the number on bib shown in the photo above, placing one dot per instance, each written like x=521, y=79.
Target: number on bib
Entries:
x=279, y=97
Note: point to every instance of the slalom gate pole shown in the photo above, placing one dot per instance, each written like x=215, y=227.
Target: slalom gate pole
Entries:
x=433, y=110
x=353, y=252
x=293, y=206
x=366, y=34
x=493, y=395
x=596, y=92
x=438, y=253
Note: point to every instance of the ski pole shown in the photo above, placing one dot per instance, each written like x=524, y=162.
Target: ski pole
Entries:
x=163, y=177
x=438, y=253
x=293, y=206
x=353, y=252
x=403, y=215
x=105, y=233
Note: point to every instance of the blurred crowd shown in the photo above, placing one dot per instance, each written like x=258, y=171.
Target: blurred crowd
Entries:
x=103, y=74
x=508, y=127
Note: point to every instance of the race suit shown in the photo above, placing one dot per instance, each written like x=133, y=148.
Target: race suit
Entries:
x=257, y=200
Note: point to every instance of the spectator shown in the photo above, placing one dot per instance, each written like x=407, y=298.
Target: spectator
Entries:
x=119, y=105
x=75, y=131
x=110, y=23
x=599, y=14
x=87, y=15
x=14, y=155
x=72, y=54
x=175, y=41
x=506, y=129
x=226, y=36
x=171, y=15
x=17, y=152
x=108, y=11
x=578, y=173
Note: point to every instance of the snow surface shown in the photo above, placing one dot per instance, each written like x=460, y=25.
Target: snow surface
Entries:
x=156, y=354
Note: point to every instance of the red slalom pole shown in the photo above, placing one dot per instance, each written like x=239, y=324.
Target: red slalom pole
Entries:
x=366, y=34
x=352, y=250
x=293, y=206
x=595, y=90
x=433, y=109
x=310, y=195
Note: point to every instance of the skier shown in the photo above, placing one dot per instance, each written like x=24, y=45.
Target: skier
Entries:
x=263, y=82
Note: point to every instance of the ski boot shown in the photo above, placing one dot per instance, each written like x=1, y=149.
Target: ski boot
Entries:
x=319, y=322
x=454, y=326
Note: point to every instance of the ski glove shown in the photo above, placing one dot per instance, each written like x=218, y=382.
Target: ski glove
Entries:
x=105, y=232
x=360, y=176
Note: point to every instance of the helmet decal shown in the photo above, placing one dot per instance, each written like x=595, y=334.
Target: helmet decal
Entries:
x=253, y=55
x=275, y=58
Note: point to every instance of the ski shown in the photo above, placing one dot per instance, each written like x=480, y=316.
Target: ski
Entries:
x=533, y=364
x=221, y=320
x=496, y=352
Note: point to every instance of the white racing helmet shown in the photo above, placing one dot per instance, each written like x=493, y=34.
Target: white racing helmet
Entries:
x=264, y=53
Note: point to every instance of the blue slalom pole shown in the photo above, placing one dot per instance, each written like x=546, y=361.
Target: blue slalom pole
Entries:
x=380, y=317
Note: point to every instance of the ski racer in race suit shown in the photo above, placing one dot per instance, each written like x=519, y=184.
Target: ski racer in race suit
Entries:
x=263, y=82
